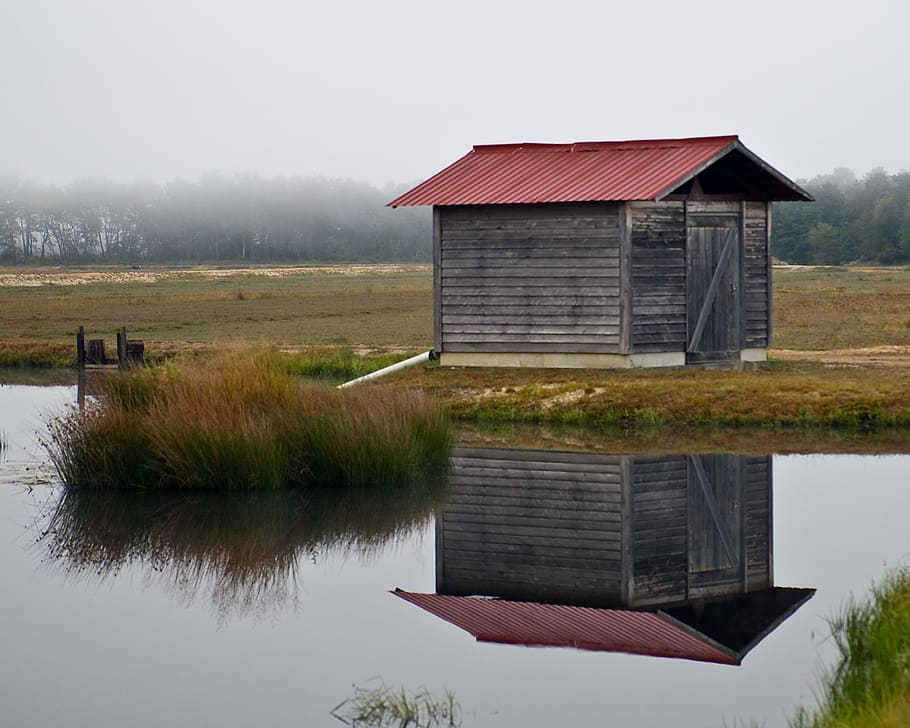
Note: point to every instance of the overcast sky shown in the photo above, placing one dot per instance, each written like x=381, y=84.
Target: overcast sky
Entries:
x=393, y=90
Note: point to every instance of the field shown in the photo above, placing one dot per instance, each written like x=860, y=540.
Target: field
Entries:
x=384, y=307
x=837, y=313
x=851, y=315
x=841, y=338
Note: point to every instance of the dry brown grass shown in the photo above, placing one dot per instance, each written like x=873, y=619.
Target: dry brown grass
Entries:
x=370, y=306
x=841, y=308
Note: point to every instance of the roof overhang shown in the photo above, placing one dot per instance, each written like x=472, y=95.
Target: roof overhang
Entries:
x=749, y=174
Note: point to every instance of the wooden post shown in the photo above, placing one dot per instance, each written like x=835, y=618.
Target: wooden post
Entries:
x=122, y=360
x=80, y=347
x=96, y=353
x=135, y=352
x=80, y=387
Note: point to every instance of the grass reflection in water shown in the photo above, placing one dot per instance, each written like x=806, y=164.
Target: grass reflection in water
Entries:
x=242, y=549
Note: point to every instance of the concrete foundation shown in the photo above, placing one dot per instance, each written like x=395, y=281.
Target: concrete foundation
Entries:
x=562, y=361
x=753, y=355
x=583, y=361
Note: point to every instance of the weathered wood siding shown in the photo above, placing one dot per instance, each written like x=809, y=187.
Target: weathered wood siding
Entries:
x=532, y=525
x=757, y=490
x=529, y=278
x=660, y=530
x=658, y=238
x=692, y=542
x=757, y=277
x=581, y=528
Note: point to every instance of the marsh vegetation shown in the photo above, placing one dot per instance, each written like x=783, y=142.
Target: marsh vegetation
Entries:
x=386, y=707
x=242, y=422
x=870, y=683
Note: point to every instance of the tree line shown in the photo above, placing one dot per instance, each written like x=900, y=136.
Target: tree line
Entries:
x=250, y=219
x=851, y=220
x=217, y=218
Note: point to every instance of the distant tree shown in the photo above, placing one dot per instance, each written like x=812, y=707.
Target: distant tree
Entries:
x=825, y=244
x=243, y=218
x=851, y=220
x=904, y=242
x=881, y=232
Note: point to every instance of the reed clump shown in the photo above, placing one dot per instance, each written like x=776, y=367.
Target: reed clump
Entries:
x=242, y=422
x=870, y=684
x=386, y=707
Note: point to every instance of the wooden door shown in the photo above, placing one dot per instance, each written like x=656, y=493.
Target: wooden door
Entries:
x=713, y=288
x=715, y=540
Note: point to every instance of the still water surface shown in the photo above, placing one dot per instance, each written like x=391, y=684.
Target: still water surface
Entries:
x=208, y=617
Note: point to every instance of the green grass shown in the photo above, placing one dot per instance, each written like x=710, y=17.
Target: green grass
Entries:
x=338, y=363
x=32, y=354
x=385, y=707
x=870, y=684
x=242, y=422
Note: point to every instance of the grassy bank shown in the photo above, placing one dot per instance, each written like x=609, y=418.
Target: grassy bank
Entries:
x=242, y=422
x=870, y=684
x=780, y=394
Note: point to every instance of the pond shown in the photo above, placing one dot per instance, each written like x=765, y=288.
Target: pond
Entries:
x=268, y=610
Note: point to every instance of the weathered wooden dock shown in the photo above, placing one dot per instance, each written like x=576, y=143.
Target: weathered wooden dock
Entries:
x=130, y=352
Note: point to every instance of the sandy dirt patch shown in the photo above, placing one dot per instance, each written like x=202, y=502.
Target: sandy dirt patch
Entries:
x=882, y=356
x=67, y=277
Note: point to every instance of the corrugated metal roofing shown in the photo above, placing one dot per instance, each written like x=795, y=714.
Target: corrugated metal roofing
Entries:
x=586, y=628
x=581, y=172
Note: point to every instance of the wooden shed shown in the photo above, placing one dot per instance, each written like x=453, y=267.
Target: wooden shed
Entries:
x=603, y=254
x=667, y=555
x=605, y=530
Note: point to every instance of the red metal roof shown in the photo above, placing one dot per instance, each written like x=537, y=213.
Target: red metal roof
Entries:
x=581, y=172
x=614, y=630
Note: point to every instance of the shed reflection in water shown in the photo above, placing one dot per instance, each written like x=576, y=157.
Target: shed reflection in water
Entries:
x=659, y=555
x=241, y=550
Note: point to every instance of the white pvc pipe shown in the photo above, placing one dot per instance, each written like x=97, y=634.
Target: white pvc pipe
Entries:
x=426, y=356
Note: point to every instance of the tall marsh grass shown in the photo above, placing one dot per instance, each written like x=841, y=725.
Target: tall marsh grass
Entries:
x=870, y=684
x=242, y=422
